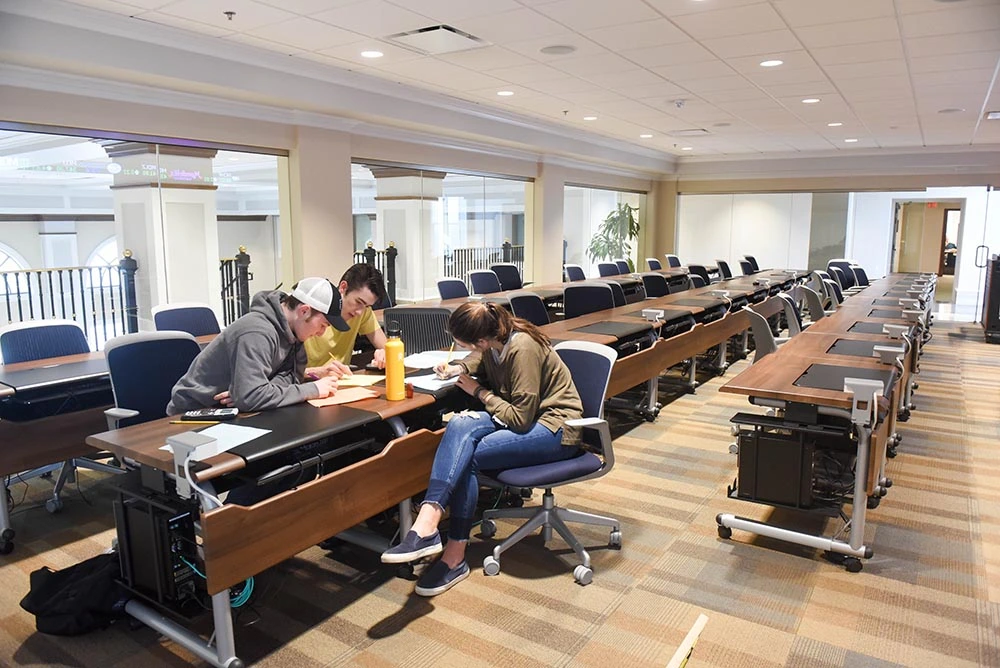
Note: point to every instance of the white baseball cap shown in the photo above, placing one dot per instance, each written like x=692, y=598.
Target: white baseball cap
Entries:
x=323, y=296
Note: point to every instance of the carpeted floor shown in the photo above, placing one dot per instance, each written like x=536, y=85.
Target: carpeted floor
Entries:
x=929, y=597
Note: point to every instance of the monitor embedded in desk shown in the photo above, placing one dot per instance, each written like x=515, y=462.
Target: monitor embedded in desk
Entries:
x=831, y=377
x=853, y=348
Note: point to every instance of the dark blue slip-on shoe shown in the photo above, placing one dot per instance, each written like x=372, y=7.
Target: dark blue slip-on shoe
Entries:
x=413, y=547
x=439, y=578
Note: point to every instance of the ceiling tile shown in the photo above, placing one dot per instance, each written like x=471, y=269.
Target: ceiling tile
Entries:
x=817, y=12
x=740, y=96
x=375, y=18
x=113, y=6
x=251, y=40
x=917, y=6
x=391, y=54
x=557, y=87
x=956, y=19
x=637, y=35
x=767, y=42
x=486, y=59
x=954, y=62
x=884, y=68
x=663, y=90
x=669, y=54
x=744, y=20
x=442, y=74
x=776, y=76
x=793, y=60
x=531, y=48
x=595, y=13
x=682, y=73
x=592, y=65
x=304, y=7
x=306, y=34
x=849, y=32
x=249, y=15
x=938, y=45
x=866, y=53
x=591, y=96
x=185, y=24
x=526, y=74
x=977, y=79
x=453, y=12
x=630, y=79
x=512, y=26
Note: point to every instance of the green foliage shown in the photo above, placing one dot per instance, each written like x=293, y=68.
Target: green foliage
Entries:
x=614, y=237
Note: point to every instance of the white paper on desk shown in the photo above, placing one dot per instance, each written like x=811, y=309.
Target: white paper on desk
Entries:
x=431, y=358
x=431, y=383
x=227, y=437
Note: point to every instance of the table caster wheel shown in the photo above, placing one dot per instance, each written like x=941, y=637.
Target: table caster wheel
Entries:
x=488, y=529
x=873, y=502
x=583, y=575
x=615, y=539
x=491, y=566
x=6, y=547
x=725, y=532
x=734, y=448
x=53, y=506
x=7, y=535
x=853, y=565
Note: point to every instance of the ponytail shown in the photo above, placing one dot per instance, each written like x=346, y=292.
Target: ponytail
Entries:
x=473, y=321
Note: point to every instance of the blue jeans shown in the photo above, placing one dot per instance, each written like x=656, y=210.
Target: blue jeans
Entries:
x=473, y=443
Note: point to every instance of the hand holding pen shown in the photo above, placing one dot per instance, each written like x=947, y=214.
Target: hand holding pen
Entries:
x=448, y=370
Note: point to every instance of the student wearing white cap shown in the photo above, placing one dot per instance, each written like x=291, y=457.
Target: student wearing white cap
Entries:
x=259, y=361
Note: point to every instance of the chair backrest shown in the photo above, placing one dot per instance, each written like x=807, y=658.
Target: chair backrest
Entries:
x=590, y=364
x=623, y=267
x=695, y=281
x=848, y=279
x=384, y=303
x=508, y=274
x=700, y=270
x=587, y=297
x=617, y=293
x=813, y=302
x=144, y=368
x=420, y=328
x=608, y=269
x=763, y=337
x=672, y=261
x=724, y=270
x=746, y=267
x=191, y=317
x=860, y=275
x=452, y=288
x=753, y=262
x=40, y=339
x=484, y=282
x=574, y=272
x=792, y=316
x=836, y=294
x=838, y=275
x=528, y=305
x=653, y=264
x=655, y=285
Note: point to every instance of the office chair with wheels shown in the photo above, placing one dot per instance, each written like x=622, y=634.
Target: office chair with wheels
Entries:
x=42, y=339
x=724, y=270
x=833, y=289
x=655, y=285
x=860, y=275
x=590, y=365
x=623, y=267
x=608, y=269
x=509, y=275
x=191, y=317
x=695, y=281
x=764, y=340
x=792, y=316
x=847, y=279
x=814, y=303
x=484, y=282
x=653, y=264
x=587, y=297
x=574, y=272
x=529, y=306
x=700, y=270
x=452, y=288
x=746, y=268
x=753, y=262
x=673, y=261
x=144, y=368
x=837, y=274
x=421, y=328
x=617, y=293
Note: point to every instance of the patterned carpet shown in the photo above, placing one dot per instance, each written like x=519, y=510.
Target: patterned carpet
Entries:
x=929, y=597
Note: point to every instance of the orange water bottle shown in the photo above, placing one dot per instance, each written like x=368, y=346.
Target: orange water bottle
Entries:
x=394, y=370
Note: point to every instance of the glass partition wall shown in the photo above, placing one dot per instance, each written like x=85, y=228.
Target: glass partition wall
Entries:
x=442, y=223
x=597, y=227
x=71, y=206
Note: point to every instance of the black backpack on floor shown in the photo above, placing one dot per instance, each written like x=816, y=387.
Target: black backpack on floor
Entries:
x=78, y=599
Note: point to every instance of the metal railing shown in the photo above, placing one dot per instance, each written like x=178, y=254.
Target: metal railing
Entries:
x=236, y=279
x=460, y=261
x=100, y=298
x=385, y=262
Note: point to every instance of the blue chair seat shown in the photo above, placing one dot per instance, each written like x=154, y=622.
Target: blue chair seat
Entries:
x=554, y=473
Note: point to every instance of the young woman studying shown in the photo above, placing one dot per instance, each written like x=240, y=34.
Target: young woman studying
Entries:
x=527, y=394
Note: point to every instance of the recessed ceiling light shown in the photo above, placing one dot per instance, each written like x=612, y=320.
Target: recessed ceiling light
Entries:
x=372, y=54
x=771, y=63
x=810, y=100
x=833, y=125
x=993, y=115
x=646, y=136
x=687, y=148
x=590, y=118
x=850, y=141
x=557, y=49
x=951, y=110
x=505, y=93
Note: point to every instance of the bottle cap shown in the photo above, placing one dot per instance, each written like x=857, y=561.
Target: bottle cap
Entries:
x=393, y=330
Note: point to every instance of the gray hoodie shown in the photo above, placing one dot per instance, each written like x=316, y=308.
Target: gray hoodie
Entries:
x=257, y=359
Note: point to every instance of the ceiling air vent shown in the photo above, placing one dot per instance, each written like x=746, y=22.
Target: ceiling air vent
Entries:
x=435, y=40
x=690, y=132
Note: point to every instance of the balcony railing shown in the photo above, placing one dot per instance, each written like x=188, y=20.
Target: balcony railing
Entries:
x=385, y=262
x=460, y=261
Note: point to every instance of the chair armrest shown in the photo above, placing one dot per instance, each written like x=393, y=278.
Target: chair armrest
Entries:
x=600, y=428
x=585, y=422
x=116, y=415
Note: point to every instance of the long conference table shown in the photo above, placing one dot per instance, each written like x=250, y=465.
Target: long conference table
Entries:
x=836, y=391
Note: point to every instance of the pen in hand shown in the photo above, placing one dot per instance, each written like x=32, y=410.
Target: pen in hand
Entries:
x=443, y=371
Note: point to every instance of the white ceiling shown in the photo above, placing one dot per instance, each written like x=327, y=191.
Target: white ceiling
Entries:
x=883, y=68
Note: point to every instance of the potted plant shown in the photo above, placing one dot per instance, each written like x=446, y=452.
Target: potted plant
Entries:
x=614, y=237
